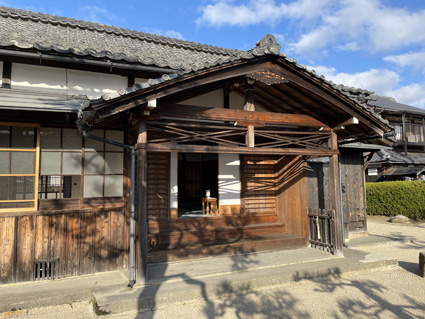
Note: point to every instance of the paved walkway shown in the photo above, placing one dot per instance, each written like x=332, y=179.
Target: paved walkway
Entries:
x=305, y=282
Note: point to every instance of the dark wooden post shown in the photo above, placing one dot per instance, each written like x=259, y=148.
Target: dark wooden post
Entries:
x=403, y=117
x=249, y=106
x=335, y=194
x=142, y=254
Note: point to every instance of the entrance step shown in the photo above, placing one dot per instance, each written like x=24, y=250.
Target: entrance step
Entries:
x=226, y=246
x=203, y=234
x=198, y=223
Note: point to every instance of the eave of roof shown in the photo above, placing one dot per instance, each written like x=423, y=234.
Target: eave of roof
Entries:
x=389, y=104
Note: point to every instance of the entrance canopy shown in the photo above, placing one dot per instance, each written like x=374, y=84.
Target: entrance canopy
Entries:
x=289, y=94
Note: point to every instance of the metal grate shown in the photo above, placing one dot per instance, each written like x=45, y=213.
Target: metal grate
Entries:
x=46, y=269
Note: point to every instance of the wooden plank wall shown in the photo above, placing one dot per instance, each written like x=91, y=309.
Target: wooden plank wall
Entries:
x=351, y=185
x=318, y=185
x=158, y=188
x=258, y=184
x=292, y=194
x=352, y=191
x=84, y=243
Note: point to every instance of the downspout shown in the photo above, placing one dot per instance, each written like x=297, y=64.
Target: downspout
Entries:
x=132, y=266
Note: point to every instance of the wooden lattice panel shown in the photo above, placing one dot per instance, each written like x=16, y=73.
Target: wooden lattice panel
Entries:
x=259, y=184
x=158, y=190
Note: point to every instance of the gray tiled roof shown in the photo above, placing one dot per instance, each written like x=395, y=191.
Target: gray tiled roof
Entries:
x=46, y=33
x=388, y=156
x=26, y=30
x=389, y=103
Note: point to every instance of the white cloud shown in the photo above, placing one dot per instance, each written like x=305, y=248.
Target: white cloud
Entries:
x=99, y=15
x=414, y=59
x=381, y=81
x=413, y=95
x=224, y=12
x=166, y=33
x=364, y=25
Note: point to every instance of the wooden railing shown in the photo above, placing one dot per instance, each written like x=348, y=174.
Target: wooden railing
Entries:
x=321, y=226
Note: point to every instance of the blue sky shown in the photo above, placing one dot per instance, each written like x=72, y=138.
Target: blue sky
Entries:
x=377, y=45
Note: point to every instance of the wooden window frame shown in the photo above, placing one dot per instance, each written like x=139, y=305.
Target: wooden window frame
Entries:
x=82, y=202
x=36, y=150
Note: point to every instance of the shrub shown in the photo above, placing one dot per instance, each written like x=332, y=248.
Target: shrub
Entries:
x=396, y=198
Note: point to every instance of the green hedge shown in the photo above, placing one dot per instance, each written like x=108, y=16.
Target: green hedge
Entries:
x=396, y=198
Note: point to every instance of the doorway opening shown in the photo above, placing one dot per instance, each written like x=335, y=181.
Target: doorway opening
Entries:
x=197, y=173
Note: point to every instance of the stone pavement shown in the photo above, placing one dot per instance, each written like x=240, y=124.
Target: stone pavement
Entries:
x=181, y=282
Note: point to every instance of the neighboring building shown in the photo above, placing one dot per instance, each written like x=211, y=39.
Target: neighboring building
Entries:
x=240, y=124
x=406, y=160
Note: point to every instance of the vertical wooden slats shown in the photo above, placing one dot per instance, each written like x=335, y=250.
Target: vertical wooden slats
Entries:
x=102, y=240
x=25, y=244
x=58, y=241
x=322, y=228
x=72, y=245
x=7, y=250
x=259, y=184
x=87, y=248
x=158, y=189
x=82, y=243
x=117, y=240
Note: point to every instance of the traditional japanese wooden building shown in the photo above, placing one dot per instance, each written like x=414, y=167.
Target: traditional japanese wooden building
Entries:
x=221, y=142
x=406, y=159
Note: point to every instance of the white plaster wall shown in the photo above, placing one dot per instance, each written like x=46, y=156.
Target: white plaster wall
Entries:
x=38, y=78
x=1, y=72
x=210, y=99
x=94, y=85
x=140, y=80
x=173, y=180
x=237, y=102
x=229, y=185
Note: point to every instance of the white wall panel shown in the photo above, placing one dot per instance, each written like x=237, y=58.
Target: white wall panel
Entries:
x=210, y=99
x=173, y=180
x=94, y=85
x=1, y=72
x=229, y=186
x=237, y=102
x=38, y=78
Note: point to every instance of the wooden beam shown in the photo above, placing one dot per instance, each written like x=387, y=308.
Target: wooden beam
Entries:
x=142, y=253
x=220, y=114
x=335, y=195
x=152, y=147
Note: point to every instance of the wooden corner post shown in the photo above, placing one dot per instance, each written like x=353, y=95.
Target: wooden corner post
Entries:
x=335, y=195
x=142, y=254
x=250, y=106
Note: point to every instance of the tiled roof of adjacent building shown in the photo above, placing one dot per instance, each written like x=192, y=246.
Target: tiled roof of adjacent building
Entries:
x=389, y=103
x=389, y=156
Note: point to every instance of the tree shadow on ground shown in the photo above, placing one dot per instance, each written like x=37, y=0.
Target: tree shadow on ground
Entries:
x=226, y=297
x=378, y=306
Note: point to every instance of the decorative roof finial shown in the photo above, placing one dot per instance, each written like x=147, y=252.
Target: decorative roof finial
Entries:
x=267, y=45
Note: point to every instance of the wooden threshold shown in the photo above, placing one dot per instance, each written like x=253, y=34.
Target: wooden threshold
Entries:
x=228, y=246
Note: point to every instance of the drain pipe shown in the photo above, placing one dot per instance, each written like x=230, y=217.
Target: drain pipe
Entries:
x=132, y=266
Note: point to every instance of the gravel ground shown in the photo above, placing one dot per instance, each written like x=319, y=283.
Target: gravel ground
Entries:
x=396, y=292
x=385, y=293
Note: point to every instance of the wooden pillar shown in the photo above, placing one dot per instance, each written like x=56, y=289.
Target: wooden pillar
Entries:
x=142, y=253
x=249, y=106
x=404, y=133
x=335, y=194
